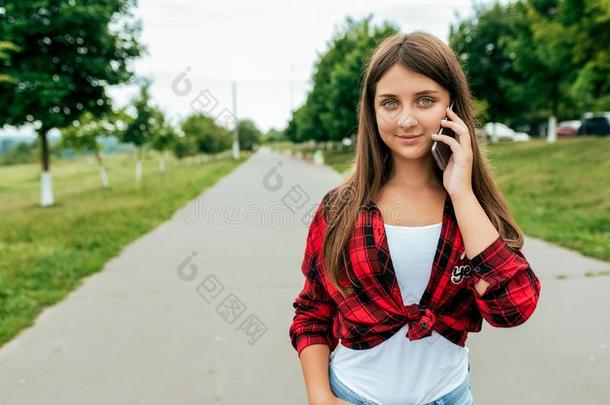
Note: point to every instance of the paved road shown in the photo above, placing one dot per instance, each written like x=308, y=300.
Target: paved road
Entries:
x=197, y=312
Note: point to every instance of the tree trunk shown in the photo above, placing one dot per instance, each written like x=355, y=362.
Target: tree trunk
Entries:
x=494, y=131
x=551, y=135
x=139, y=167
x=103, y=172
x=46, y=184
x=45, y=149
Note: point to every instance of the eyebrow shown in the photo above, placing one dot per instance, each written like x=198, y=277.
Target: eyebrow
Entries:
x=419, y=93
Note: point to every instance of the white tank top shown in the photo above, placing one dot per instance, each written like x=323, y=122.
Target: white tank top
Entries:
x=399, y=371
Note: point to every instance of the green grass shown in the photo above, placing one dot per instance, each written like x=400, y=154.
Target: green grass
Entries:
x=45, y=252
x=557, y=192
x=340, y=161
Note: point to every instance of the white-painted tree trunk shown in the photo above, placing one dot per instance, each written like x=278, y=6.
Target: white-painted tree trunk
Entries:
x=138, y=172
x=235, y=150
x=104, y=177
x=46, y=189
x=551, y=135
x=494, y=133
x=318, y=157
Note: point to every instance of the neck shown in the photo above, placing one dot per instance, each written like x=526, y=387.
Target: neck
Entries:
x=414, y=175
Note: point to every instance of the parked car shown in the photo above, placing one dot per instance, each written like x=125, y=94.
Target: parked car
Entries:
x=595, y=124
x=520, y=137
x=567, y=129
x=504, y=133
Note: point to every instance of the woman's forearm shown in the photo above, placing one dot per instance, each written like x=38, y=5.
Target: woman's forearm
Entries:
x=314, y=362
x=477, y=230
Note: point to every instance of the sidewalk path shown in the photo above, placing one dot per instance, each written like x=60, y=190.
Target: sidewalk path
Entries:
x=198, y=310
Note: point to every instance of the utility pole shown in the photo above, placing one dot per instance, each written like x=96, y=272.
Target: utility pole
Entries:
x=235, y=129
x=291, y=85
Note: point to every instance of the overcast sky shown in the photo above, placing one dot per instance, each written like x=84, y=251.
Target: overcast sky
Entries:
x=268, y=47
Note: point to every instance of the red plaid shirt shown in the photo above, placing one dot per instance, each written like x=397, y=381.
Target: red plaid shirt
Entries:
x=450, y=305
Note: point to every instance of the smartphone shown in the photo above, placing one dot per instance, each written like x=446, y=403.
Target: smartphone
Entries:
x=440, y=150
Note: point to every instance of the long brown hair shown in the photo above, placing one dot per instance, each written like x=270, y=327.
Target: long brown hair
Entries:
x=427, y=55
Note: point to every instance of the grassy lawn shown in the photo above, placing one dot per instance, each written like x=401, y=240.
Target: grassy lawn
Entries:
x=45, y=252
x=559, y=192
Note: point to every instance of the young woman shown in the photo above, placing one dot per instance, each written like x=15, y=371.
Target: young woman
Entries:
x=403, y=259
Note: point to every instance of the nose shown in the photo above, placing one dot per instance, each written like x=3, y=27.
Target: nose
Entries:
x=406, y=119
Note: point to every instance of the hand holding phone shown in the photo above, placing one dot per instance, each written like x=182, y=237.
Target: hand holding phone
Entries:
x=440, y=150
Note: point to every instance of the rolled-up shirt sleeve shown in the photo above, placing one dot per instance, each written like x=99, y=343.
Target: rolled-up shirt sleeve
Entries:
x=315, y=309
x=513, y=291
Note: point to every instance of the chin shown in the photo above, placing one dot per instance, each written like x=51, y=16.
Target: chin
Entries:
x=412, y=155
x=413, y=152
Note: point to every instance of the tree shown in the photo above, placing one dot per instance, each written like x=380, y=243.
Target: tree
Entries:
x=163, y=138
x=69, y=51
x=590, y=20
x=543, y=49
x=84, y=135
x=273, y=135
x=142, y=128
x=481, y=44
x=5, y=49
x=536, y=59
x=249, y=134
x=206, y=134
x=352, y=48
x=330, y=110
x=185, y=146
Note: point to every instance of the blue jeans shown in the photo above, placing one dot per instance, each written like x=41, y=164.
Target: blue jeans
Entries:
x=462, y=395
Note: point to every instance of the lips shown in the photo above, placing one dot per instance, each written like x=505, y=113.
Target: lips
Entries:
x=408, y=136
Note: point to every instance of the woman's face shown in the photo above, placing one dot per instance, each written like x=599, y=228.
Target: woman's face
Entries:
x=407, y=103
